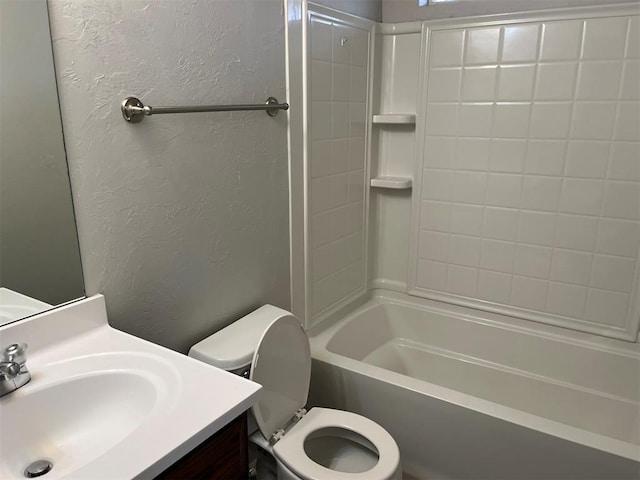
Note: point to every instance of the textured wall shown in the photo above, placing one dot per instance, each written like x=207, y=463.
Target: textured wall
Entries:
x=183, y=219
x=407, y=10
x=39, y=253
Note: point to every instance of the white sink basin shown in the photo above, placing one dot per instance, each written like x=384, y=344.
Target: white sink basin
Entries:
x=76, y=410
x=102, y=404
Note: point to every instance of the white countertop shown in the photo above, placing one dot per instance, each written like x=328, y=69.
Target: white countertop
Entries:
x=196, y=400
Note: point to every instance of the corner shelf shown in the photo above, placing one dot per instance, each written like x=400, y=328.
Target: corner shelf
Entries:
x=394, y=183
x=395, y=118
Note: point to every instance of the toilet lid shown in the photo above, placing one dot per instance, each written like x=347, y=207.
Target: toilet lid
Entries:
x=282, y=365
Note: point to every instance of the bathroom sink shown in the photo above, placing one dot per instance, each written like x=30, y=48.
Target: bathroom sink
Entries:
x=76, y=410
x=103, y=404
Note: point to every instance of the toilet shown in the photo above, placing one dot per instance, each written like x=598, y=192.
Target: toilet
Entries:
x=270, y=347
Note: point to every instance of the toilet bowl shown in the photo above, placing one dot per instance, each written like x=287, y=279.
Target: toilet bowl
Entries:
x=271, y=347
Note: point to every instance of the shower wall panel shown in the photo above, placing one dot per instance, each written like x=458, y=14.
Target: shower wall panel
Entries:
x=336, y=167
x=527, y=188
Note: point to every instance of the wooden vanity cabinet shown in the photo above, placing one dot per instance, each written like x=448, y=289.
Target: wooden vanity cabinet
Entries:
x=225, y=455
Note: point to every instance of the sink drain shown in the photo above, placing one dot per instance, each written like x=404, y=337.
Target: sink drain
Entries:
x=38, y=468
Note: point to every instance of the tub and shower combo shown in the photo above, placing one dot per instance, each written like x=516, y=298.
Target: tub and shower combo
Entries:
x=466, y=234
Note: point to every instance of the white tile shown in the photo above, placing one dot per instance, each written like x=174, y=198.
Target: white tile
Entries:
x=500, y=223
x=433, y=246
x=631, y=80
x=622, y=200
x=356, y=217
x=562, y=40
x=587, y=159
x=359, y=84
x=475, y=120
x=320, y=194
x=581, y=196
x=494, y=286
x=439, y=152
x=599, y=80
x=607, y=307
x=479, y=84
x=320, y=158
x=618, y=237
x=628, y=122
x=545, y=157
x=320, y=120
x=520, y=43
x=529, y=293
x=613, y=273
x=625, y=161
x=340, y=224
x=550, y=120
x=541, y=193
x=464, y=250
x=497, y=255
x=340, y=83
x=339, y=120
x=556, y=81
x=320, y=81
x=516, y=82
x=469, y=187
x=462, y=280
x=633, y=44
x=356, y=153
x=437, y=184
x=340, y=155
x=504, y=190
x=321, y=229
x=507, y=155
x=472, y=154
x=511, y=120
x=442, y=119
x=466, y=219
x=571, y=266
x=320, y=40
x=357, y=118
x=359, y=48
x=532, y=261
x=482, y=46
x=566, y=300
x=604, y=38
x=435, y=216
x=341, y=50
x=432, y=275
x=576, y=232
x=537, y=228
x=444, y=85
x=446, y=48
x=593, y=121
x=356, y=186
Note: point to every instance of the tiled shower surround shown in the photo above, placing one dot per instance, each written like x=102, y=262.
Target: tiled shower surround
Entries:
x=339, y=58
x=529, y=201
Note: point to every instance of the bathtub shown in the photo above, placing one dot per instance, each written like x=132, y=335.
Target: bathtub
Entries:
x=468, y=394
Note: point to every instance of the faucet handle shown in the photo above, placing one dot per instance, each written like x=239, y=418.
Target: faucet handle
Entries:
x=16, y=353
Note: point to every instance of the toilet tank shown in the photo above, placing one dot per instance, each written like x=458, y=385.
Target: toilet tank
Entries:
x=232, y=347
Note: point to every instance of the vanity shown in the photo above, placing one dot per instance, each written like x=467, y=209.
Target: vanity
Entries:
x=103, y=404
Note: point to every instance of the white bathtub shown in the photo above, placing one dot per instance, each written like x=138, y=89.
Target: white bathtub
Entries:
x=468, y=394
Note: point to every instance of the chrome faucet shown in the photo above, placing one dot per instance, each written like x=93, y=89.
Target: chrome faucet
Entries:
x=13, y=368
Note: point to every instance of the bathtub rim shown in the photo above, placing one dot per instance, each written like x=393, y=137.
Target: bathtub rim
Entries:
x=321, y=335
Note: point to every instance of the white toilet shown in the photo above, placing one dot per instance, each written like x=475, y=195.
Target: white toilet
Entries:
x=271, y=347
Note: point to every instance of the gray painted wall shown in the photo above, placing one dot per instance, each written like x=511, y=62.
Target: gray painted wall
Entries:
x=407, y=10
x=39, y=254
x=182, y=219
x=371, y=9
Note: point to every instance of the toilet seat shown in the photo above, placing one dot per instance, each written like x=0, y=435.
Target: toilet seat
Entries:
x=291, y=452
